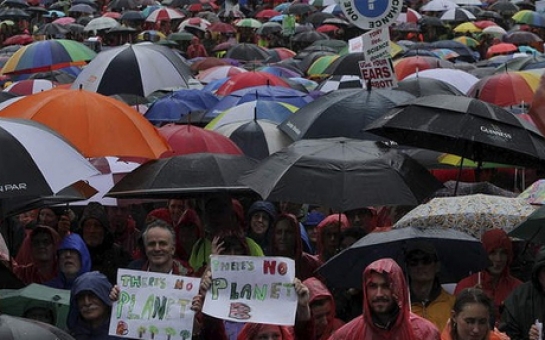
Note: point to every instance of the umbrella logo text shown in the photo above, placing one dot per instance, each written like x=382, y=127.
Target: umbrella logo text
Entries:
x=495, y=131
x=13, y=187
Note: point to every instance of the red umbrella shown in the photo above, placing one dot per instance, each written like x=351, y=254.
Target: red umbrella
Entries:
x=207, y=63
x=482, y=24
x=19, y=39
x=114, y=15
x=409, y=65
x=327, y=28
x=267, y=14
x=249, y=79
x=501, y=48
x=506, y=89
x=221, y=27
x=186, y=139
x=284, y=53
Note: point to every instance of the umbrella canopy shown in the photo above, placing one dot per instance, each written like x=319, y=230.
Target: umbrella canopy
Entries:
x=101, y=23
x=438, y=6
x=346, y=173
x=531, y=229
x=461, y=80
x=457, y=15
x=16, y=302
x=48, y=55
x=535, y=193
x=506, y=89
x=14, y=328
x=192, y=175
x=221, y=27
x=165, y=14
x=406, y=66
x=260, y=109
x=134, y=69
x=335, y=83
x=250, y=79
x=30, y=168
x=421, y=86
x=257, y=138
x=344, y=270
x=219, y=72
x=178, y=104
x=97, y=125
x=186, y=139
x=500, y=49
x=504, y=7
x=522, y=38
x=463, y=126
x=249, y=23
x=468, y=41
x=247, y=52
x=530, y=18
x=342, y=113
x=30, y=86
x=454, y=188
x=58, y=76
x=473, y=214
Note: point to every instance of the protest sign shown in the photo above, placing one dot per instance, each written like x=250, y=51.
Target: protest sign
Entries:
x=376, y=44
x=379, y=73
x=355, y=44
x=252, y=289
x=153, y=306
x=371, y=14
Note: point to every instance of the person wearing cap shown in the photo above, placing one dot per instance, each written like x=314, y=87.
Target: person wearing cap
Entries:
x=310, y=223
x=261, y=216
x=428, y=299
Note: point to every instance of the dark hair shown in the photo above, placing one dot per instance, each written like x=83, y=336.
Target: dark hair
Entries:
x=468, y=296
x=354, y=232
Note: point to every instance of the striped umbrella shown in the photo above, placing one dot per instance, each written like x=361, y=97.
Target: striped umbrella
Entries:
x=506, y=89
x=530, y=18
x=30, y=86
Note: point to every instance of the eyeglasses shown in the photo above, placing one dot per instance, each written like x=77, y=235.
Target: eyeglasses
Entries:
x=415, y=261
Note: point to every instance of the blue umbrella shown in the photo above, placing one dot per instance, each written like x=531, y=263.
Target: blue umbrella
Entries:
x=271, y=93
x=278, y=18
x=172, y=107
x=280, y=71
x=259, y=109
x=282, y=7
x=214, y=84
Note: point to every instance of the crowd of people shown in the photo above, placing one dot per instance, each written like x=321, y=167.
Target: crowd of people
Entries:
x=395, y=301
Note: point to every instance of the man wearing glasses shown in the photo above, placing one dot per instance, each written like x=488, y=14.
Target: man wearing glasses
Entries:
x=428, y=299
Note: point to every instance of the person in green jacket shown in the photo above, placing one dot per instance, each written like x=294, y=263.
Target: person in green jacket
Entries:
x=526, y=305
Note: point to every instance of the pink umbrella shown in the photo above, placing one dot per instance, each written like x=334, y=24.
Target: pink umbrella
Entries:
x=219, y=72
x=64, y=21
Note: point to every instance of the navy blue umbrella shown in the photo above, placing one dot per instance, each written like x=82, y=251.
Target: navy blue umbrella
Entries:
x=176, y=105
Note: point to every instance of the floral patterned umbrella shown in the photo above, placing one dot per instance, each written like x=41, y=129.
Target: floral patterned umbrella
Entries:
x=473, y=214
x=535, y=193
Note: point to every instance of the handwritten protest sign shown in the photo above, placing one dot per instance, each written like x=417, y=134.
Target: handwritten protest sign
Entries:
x=376, y=44
x=153, y=306
x=379, y=73
x=252, y=289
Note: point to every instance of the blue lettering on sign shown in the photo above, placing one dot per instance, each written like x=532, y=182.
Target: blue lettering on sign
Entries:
x=372, y=8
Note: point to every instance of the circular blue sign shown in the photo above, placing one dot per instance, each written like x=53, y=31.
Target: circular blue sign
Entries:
x=372, y=8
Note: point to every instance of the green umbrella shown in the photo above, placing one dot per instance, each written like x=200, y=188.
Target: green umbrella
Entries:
x=319, y=66
x=249, y=22
x=533, y=228
x=180, y=36
x=16, y=302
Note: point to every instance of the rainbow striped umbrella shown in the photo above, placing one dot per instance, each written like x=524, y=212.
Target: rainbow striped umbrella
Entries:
x=506, y=89
x=48, y=55
x=530, y=18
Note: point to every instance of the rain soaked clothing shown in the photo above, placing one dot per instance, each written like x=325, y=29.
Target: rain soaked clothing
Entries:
x=331, y=219
x=72, y=242
x=437, y=309
x=305, y=264
x=525, y=304
x=319, y=291
x=498, y=291
x=251, y=330
x=446, y=334
x=405, y=325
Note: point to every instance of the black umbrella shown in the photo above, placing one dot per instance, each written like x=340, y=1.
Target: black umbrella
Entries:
x=347, y=64
x=533, y=228
x=300, y=9
x=247, y=52
x=58, y=76
x=190, y=175
x=309, y=37
x=466, y=54
x=52, y=29
x=132, y=16
x=14, y=3
x=123, y=5
x=7, y=95
x=522, y=38
x=309, y=57
x=317, y=18
x=342, y=174
x=269, y=28
x=485, y=15
x=342, y=113
x=504, y=7
x=14, y=328
x=463, y=126
x=459, y=254
x=13, y=13
x=420, y=87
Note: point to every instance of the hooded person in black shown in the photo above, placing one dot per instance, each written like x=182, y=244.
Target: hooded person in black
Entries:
x=526, y=304
x=106, y=256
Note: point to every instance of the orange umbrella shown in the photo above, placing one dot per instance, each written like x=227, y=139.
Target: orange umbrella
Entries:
x=409, y=65
x=95, y=124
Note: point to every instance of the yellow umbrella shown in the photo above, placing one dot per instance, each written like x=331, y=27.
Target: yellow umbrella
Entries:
x=467, y=27
x=395, y=49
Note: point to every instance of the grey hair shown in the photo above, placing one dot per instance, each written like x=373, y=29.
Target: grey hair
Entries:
x=159, y=224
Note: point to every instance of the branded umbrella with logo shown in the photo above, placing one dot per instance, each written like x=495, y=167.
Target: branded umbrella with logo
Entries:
x=463, y=126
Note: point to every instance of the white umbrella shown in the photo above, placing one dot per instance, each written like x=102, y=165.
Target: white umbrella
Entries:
x=438, y=6
x=468, y=2
x=165, y=13
x=495, y=31
x=101, y=23
x=458, y=14
x=462, y=80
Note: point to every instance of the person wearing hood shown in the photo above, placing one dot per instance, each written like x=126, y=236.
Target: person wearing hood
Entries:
x=496, y=281
x=526, y=305
x=286, y=241
x=322, y=309
x=106, y=256
x=196, y=49
x=261, y=216
x=123, y=227
x=90, y=307
x=73, y=260
x=386, y=308
x=329, y=236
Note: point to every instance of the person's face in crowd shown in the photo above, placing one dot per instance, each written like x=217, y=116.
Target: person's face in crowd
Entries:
x=320, y=310
x=379, y=294
x=360, y=218
x=498, y=257
x=27, y=217
x=312, y=233
x=347, y=241
x=42, y=247
x=48, y=218
x=91, y=308
x=69, y=262
x=118, y=218
x=472, y=322
x=40, y=314
x=269, y=332
x=331, y=238
x=284, y=237
x=422, y=267
x=541, y=277
x=159, y=246
x=176, y=209
x=259, y=222
x=93, y=232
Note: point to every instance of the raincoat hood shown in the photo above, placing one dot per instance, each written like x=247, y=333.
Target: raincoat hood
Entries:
x=294, y=224
x=75, y=242
x=24, y=255
x=250, y=331
x=190, y=218
x=265, y=206
x=497, y=239
x=331, y=219
x=319, y=291
x=540, y=263
x=94, y=282
x=96, y=211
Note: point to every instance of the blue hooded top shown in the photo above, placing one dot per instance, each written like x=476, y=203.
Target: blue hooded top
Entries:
x=99, y=285
x=72, y=242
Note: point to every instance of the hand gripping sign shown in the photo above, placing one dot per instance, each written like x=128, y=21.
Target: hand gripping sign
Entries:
x=371, y=14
